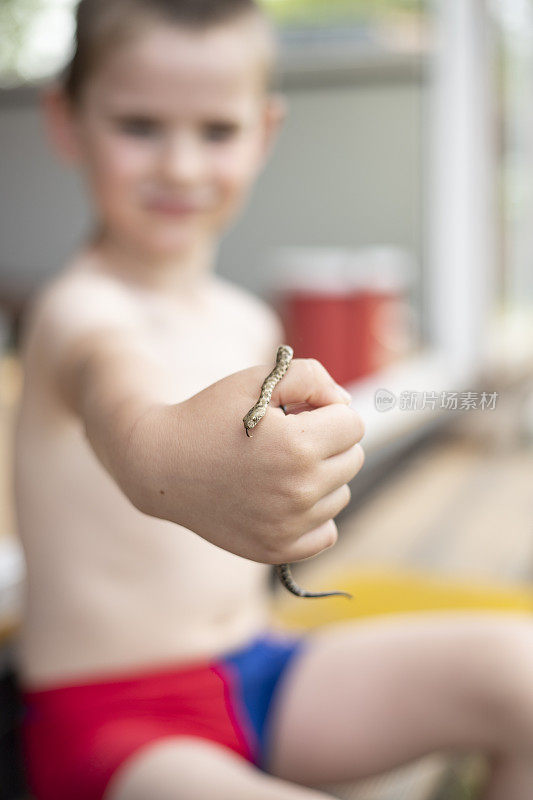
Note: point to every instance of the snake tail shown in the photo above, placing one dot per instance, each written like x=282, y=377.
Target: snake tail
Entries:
x=283, y=572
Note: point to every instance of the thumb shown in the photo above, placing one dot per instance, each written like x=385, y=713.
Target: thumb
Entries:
x=308, y=382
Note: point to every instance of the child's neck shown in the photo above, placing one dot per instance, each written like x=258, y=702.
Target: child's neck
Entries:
x=183, y=276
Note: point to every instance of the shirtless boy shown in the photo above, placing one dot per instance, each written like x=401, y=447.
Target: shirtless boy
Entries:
x=147, y=516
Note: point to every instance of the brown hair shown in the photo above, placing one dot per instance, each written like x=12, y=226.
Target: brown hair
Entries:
x=101, y=24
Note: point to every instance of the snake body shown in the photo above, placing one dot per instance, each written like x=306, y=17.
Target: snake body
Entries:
x=251, y=419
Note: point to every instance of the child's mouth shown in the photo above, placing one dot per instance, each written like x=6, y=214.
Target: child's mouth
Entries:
x=174, y=207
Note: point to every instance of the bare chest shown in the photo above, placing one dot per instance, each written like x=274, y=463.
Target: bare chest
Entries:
x=198, y=349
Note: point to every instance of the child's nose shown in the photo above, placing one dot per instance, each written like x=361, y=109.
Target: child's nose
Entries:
x=182, y=159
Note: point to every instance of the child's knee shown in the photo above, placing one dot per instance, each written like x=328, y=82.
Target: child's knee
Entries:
x=507, y=682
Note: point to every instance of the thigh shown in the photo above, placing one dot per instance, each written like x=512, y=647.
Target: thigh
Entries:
x=188, y=768
x=365, y=697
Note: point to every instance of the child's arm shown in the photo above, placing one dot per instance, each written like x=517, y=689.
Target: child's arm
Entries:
x=84, y=344
x=271, y=498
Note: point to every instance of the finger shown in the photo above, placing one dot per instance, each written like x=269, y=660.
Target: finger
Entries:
x=329, y=476
x=338, y=470
x=307, y=381
x=330, y=430
x=314, y=542
x=329, y=506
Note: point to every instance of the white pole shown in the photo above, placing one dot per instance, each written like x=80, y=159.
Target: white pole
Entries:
x=462, y=215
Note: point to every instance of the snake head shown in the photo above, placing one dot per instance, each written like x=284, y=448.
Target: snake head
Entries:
x=254, y=416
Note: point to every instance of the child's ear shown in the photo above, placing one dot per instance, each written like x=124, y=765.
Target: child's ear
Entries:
x=275, y=113
x=60, y=123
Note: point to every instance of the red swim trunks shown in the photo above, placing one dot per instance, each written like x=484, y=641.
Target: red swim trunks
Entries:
x=76, y=736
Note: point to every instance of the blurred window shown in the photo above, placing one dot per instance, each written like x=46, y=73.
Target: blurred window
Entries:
x=514, y=26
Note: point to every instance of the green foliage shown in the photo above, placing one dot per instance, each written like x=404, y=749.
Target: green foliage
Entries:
x=313, y=12
x=16, y=17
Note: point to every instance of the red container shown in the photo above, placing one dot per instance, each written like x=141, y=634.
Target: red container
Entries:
x=348, y=309
x=373, y=318
x=316, y=328
x=378, y=319
x=313, y=306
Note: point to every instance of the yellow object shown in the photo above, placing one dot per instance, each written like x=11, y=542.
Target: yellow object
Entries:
x=385, y=590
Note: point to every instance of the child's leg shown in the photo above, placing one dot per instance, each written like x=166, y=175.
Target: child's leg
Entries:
x=369, y=696
x=193, y=769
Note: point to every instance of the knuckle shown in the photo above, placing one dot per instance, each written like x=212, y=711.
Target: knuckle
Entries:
x=302, y=454
x=300, y=496
x=313, y=364
x=316, y=369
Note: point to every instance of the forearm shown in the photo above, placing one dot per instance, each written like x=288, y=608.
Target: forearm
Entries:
x=111, y=432
x=125, y=428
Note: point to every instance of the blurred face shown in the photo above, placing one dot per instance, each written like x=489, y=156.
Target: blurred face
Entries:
x=171, y=131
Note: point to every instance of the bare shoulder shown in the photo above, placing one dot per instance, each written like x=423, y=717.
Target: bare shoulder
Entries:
x=74, y=303
x=259, y=317
x=71, y=316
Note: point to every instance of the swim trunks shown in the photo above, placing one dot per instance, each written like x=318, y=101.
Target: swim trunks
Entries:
x=75, y=736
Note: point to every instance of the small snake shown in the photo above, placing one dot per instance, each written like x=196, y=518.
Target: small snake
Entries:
x=255, y=415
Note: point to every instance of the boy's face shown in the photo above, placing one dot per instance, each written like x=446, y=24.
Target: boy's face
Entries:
x=172, y=129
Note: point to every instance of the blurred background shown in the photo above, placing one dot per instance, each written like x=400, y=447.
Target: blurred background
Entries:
x=393, y=231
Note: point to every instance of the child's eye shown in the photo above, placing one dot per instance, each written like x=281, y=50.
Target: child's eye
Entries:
x=220, y=131
x=138, y=126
